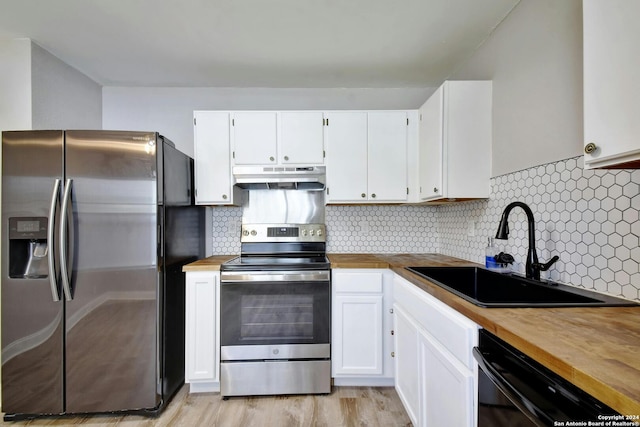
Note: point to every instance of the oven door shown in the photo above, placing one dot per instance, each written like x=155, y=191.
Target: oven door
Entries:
x=275, y=315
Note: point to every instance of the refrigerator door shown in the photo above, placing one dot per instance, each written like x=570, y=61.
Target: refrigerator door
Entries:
x=32, y=319
x=112, y=252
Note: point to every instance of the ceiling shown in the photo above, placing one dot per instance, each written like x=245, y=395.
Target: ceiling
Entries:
x=257, y=43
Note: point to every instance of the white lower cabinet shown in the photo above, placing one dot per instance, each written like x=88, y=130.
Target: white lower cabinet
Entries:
x=435, y=373
x=202, y=334
x=407, y=363
x=447, y=387
x=361, y=341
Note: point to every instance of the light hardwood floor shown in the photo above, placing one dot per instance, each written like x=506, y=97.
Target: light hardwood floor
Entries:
x=345, y=406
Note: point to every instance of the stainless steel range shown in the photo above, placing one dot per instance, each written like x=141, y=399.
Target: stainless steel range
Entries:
x=275, y=301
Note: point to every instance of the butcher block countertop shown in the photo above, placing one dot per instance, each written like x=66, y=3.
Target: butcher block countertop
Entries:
x=208, y=264
x=596, y=348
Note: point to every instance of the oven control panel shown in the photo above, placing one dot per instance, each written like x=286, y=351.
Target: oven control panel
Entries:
x=283, y=233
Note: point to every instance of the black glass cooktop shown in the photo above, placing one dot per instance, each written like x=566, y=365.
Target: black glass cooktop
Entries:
x=246, y=262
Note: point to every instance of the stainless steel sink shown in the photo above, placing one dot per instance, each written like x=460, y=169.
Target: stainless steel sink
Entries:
x=486, y=288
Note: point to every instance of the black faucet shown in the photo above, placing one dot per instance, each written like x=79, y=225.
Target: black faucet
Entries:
x=533, y=267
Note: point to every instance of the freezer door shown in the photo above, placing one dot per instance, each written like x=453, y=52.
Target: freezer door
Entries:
x=112, y=246
x=32, y=321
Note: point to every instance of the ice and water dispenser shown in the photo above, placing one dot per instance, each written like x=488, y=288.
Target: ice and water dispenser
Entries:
x=28, y=248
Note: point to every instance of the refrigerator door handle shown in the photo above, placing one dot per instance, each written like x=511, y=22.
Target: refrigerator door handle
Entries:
x=66, y=280
x=53, y=282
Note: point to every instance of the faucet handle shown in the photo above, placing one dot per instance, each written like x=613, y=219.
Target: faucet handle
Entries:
x=547, y=265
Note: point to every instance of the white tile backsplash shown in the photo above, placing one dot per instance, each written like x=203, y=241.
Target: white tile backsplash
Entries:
x=226, y=230
x=382, y=229
x=588, y=218
x=350, y=229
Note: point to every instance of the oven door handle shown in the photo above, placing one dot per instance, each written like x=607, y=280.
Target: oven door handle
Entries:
x=275, y=276
x=532, y=411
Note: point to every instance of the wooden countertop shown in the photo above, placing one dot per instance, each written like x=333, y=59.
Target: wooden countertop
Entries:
x=208, y=264
x=389, y=261
x=597, y=349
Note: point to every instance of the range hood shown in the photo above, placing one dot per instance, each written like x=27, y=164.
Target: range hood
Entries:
x=280, y=177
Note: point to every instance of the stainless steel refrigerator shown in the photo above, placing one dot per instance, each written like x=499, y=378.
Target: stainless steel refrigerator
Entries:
x=96, y=226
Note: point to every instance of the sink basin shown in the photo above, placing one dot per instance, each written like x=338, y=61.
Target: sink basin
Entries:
x=486, y=288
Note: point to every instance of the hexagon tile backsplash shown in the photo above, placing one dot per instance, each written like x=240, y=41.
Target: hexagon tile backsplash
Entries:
x=382, y=229
x=590, y=219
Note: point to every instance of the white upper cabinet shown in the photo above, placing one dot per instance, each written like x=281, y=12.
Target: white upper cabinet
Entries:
x=611, y=86
x=366, y=157
x=455, y=142
x=387, y=154
x=430, y=149
x=346, y=142
x=212, y=158
x=300, y=137
x=254, y=138
x=366, y=151
x=270, y=138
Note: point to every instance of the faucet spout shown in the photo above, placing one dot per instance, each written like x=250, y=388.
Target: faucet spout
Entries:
x=532, y=267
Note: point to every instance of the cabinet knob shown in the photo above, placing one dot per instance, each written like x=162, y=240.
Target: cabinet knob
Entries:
x=590, y=148
x=224, y=197
x=272, y=158
x=393, y=332
x=286, y=157
x=373, y=196
x=435, y=189
x=393, y=354
x=363, y=195
x=391, y=310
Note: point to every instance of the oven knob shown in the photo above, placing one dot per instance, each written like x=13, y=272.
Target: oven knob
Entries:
x=319, y=232
x=304, y=233
x=254, y=232
x=276, y=351
x=313, y=233
x=245, y=232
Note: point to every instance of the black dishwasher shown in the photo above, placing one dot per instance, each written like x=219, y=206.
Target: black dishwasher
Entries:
x=515, y=390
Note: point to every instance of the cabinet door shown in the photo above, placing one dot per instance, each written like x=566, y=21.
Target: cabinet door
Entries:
x=408, y=379
x=447, y=387
x=301, y=138
x=254, y=136
x=201, y=337
x=431, y=147
x=387, y=156
x=212, y=157
x=611, y=89
x=358, y=335
x=346, y=145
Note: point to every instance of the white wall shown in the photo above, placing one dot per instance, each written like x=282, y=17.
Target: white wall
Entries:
x=534, y=58
x=15, y=84
x=170, y=110
x=39, y=91
x=63, y=97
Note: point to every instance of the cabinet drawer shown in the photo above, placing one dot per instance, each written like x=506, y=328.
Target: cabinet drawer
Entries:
x=451, y=329
x=362, y=283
